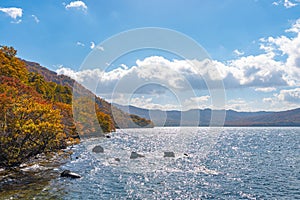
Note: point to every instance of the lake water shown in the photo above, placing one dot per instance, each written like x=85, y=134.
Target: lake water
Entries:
x=209, y=163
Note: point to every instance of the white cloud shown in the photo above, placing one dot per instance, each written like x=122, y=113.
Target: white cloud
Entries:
x=199, y=102
x=288, y=47
x=172, y=74
x=286, y=99
x=238, y=104
x=92, y=45
x=259, y=71
x=289, y=4
x=80, y=5
x=238, y=53
x=13, y=12
x=267, y=89
x=295, y=27
x=268, y=100
x=36, y=19
x=155, y=69
x=80, y=44
x=201, y=99
x=100, y=48
x=82, y=76
x=16, y=21
x=286, y=3
x=291, y=95
x=147, y=103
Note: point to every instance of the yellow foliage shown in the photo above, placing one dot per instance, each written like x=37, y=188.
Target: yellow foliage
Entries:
x=89, y=119
x=27, y=128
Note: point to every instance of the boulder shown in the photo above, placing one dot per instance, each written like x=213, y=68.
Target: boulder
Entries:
x=98, y=149
x=69, y=174
x=169, y=154
x=135, y=155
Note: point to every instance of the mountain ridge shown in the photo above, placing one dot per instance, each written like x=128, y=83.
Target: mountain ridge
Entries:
x=232, y=118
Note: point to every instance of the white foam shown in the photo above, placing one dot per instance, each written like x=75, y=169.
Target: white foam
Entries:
x=33, y=168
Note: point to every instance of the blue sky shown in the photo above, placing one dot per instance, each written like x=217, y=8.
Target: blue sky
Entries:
x=251, y=42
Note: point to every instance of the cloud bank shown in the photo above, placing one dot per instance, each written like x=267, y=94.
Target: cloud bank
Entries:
x=276, y=68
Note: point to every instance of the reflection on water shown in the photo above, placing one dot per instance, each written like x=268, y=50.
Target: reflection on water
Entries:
x=233, y=163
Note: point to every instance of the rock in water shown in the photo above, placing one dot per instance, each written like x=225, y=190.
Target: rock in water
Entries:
x=98, y=149
x=169, y=154
x=107, y=136
x=135, y=155
x=69, y=174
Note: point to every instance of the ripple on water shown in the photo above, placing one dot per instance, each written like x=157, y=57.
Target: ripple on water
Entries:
x=232, y=163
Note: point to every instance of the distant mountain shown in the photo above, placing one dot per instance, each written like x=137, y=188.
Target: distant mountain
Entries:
x=283, y=118
x=198, y=117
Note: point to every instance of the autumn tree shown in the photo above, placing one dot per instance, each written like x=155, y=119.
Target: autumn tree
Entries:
x=27, y=128
x=10, y=65
x=140, y=122
x=89, y=119
x=9, y=52
x=69, y=127
x=35, y=115
x=105, y=121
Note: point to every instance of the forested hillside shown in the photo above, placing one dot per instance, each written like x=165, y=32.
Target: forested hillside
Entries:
x=35, y=114
x=120, y=118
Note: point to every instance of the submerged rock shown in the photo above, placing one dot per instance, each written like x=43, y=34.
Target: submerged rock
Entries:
x=169, y=154
x=135, y=155
x=98, y=149
x=69, y=174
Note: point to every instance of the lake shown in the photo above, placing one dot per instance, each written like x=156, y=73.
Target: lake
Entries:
x=209, y=163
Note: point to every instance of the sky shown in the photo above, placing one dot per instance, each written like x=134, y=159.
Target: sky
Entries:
x=250, y=59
